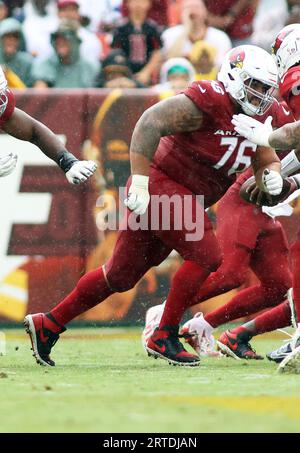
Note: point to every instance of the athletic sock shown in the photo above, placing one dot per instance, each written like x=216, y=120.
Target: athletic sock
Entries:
x=90, y=290
x=246, y=302
x=185, y=284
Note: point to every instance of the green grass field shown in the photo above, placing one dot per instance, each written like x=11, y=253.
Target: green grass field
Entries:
x=104, y=382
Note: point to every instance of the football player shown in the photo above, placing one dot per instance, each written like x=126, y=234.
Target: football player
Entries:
x=19, y=124
x=287, y=54
x=183, y=146
x=248, y=237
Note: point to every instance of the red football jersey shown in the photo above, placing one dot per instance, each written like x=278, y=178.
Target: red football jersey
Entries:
x=9, y=108
x=289, y=88
x=207, y=160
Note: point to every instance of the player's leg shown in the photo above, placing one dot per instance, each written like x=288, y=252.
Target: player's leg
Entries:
x=291, y=363
x=196, y=243
x=270, y=263
x=135, y=252
x=238, y=226
x=235, y=343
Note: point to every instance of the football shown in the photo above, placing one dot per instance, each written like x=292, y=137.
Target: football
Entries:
x=250, y=193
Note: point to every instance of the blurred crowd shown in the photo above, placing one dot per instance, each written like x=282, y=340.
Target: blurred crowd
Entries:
x=130, y=43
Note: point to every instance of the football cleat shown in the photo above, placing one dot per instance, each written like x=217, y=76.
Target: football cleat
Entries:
x=291, y=363
x=198, y=334
x=165, y=344
x=153, y=317
x=279, y=354
x=42, y=338
x=234, y=345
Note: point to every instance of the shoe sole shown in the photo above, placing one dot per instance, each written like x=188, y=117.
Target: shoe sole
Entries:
x=291, y=363
x=30, y=329
x=225, y=350
x=157, y=355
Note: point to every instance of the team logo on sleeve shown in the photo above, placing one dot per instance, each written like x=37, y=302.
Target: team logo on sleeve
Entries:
x=237, y=58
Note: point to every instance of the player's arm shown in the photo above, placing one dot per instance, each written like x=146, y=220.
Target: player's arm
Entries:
x=285, y=137
x=172, y=116
x=24, y=127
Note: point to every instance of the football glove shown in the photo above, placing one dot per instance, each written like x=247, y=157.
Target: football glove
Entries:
x=8, y=164
x=272, y=182
x=138, y=195
x=253, y=130
x=81, y=171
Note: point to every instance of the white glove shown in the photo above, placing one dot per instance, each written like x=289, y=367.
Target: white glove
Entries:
x=138, y=194
x=8, y=164
x=252, y=129
x=81, y=171
x=272, y=182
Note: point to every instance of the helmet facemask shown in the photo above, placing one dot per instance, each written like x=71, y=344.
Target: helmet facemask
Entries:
x=263, y=98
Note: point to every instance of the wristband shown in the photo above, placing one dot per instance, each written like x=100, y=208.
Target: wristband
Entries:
x=289, y=164
x=140, y=181
x=65, y=160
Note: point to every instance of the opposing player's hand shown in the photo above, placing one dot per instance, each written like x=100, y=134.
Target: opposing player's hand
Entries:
x=81, y=171
x=252, y=129
x=8, y=164
x=138, y=194
x=272, y=182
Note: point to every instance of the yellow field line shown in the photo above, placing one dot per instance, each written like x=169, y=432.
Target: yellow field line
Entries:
x=289, y=406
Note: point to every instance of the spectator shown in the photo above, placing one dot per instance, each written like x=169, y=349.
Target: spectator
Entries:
x=116, y=72
x=175, y=76
x=268, y=23
x=158, y=11
x=11, y=57
x=3, y=11
x=179, y=40
x=233, y=16
x=139, y=38
x=203, y=58
x=65, y=68
x=101, y=12
x=40, y=21
x=90, y=47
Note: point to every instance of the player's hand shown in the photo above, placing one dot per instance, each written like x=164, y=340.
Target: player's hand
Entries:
x=138, y=194
x=252, y=129
x=81, y=171
x=272, y=182
x=8, y=164
x=257, y=196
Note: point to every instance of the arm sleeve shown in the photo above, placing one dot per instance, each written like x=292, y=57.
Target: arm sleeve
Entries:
x=10, y=107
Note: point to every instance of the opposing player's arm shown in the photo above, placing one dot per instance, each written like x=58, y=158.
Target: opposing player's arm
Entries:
x=24, y=127
x=286, y=137
x=171, y=116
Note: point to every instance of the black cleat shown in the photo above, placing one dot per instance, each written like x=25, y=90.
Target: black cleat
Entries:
x=165, y=344
x=42, y=338
x=237, y=346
